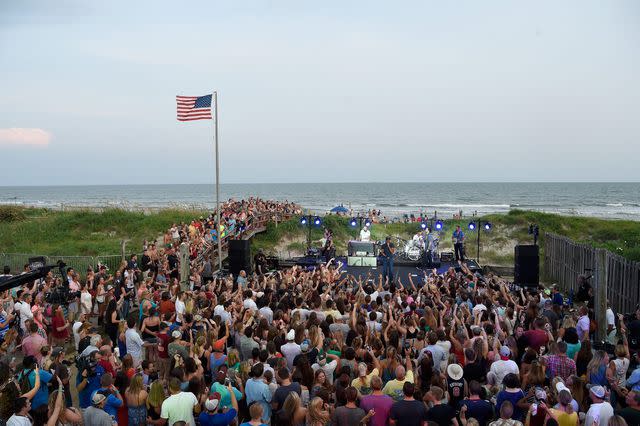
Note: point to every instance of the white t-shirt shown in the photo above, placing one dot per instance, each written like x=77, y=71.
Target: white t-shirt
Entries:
x=250, y=304
x=611, y=318
x=600, y=412
x=134, y=343
x=180, y=310
x=85, y=302
x=76, y=330
x=179, y=408
x=290, y=350
x=502, y=368
x=365, y=235
x=16, y=420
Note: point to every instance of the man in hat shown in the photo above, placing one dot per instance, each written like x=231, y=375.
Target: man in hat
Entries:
x=499, y=369
x=87, y=381
x=290, y=349
x=95, y=414
x=600, y=410
x=214, y=416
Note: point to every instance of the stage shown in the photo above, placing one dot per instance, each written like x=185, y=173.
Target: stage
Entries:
x=401, y=270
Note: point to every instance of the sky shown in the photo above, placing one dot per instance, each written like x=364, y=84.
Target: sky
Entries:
x=328, y=91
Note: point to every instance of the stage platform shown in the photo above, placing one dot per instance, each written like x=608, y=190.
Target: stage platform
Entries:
x=400, y=270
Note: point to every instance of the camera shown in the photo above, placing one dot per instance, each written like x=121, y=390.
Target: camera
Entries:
x=61, y=295
x=86, y=363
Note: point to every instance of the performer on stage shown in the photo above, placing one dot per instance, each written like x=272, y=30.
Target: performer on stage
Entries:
x=458, y=241
x=387, y=253
x=365, y=234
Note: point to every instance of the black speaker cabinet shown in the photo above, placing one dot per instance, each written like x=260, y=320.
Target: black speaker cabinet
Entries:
x=527, y=265
x=239, y=256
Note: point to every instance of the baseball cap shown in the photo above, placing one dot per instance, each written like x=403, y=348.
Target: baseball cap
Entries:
x=362, y=369
x=97, y=398
x=505, y=351
x=561, y=386
x=541, y=395
x=322, y=359
x=110, y=287
x=176, y=334
x=211, y=404
x=56, y=351
x=291, y=335
x=597, y=391
x=218, y=345
x=304, y=346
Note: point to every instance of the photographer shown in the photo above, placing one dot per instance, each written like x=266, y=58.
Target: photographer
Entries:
x=88, y=381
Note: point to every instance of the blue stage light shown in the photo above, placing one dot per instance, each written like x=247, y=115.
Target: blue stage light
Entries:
x=367, y=222
x=439, y=225
x=317, y=221
x=472, y=226
x=353, y=222
x=423, y=225
x=488, y=226
x=303, y=221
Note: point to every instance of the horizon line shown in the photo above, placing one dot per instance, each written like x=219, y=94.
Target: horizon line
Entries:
x=307, y=183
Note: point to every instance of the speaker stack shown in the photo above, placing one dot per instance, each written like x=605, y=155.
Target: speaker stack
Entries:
x=527, y=266
x=240, y=256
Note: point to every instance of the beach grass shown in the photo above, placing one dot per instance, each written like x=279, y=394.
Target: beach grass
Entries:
x=48, y=232
x=82, y=232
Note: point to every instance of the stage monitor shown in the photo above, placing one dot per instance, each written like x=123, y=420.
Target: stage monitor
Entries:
x=361, y=248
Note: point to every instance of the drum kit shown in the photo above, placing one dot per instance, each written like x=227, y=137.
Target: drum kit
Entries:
x=419, y=246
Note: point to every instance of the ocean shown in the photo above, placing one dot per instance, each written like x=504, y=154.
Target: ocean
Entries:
x=604, y=200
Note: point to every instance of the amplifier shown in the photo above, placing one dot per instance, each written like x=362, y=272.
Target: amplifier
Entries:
x=446, y=256
x=362, y=261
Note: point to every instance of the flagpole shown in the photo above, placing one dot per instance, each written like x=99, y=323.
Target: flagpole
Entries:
x=218, y=224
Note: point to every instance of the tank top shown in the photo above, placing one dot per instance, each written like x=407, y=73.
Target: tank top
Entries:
x=153, y=328
x=456, y=391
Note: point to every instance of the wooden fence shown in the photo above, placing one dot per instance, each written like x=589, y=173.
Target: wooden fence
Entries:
x=565, y=260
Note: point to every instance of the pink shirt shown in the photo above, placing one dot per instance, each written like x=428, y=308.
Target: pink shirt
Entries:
x=31, y=345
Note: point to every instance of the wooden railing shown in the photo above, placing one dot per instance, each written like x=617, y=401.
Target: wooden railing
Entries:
x=256, y=225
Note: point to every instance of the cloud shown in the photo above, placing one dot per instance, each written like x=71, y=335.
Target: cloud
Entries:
x=22, y=136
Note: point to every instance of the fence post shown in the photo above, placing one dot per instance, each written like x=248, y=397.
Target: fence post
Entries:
x=601, y=293
x=123, y=252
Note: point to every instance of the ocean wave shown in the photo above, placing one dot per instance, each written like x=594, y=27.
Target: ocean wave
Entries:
x=615, y=205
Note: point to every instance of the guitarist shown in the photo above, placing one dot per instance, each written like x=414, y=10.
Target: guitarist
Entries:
x=388, y=250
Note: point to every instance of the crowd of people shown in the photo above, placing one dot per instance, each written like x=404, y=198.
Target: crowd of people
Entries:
x=306, y=346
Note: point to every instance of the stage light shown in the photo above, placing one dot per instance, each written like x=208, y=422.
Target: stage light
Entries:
x=472, y=226
x=439, y=225
x=488, y=226
x=317, y=221
x=353, y=222
x=303, y=221
x=367, y=222
x=423, y=225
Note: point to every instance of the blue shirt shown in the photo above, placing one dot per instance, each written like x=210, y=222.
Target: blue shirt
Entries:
x=112, y=403
x=217, y=419
x=42, y=396
x=225, y=396
x=258, y=391
x=458, y=235
x=634, y=380
x=93, y=384
x=4, y=329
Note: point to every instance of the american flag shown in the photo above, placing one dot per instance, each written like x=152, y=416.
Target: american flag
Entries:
x=194, y=107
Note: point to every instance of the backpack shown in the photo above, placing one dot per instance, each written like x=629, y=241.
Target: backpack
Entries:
x=84, y=342
x=23, y=381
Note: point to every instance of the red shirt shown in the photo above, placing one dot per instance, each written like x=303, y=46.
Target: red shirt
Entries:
x=164, y=339
x=56, y=322
x=167, y=306
x=107, y=367
x=536, y=338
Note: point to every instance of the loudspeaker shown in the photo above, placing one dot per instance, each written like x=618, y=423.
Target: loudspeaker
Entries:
x=239, y=256
x=527, y=265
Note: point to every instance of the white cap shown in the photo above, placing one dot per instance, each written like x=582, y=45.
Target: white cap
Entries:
x=291, y=335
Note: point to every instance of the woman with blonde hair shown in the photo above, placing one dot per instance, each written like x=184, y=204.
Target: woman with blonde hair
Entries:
x=154, y=403
x=292, y=413
x=535, y=377
x=66, y=416
x=318, y=413
x=136, y=396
